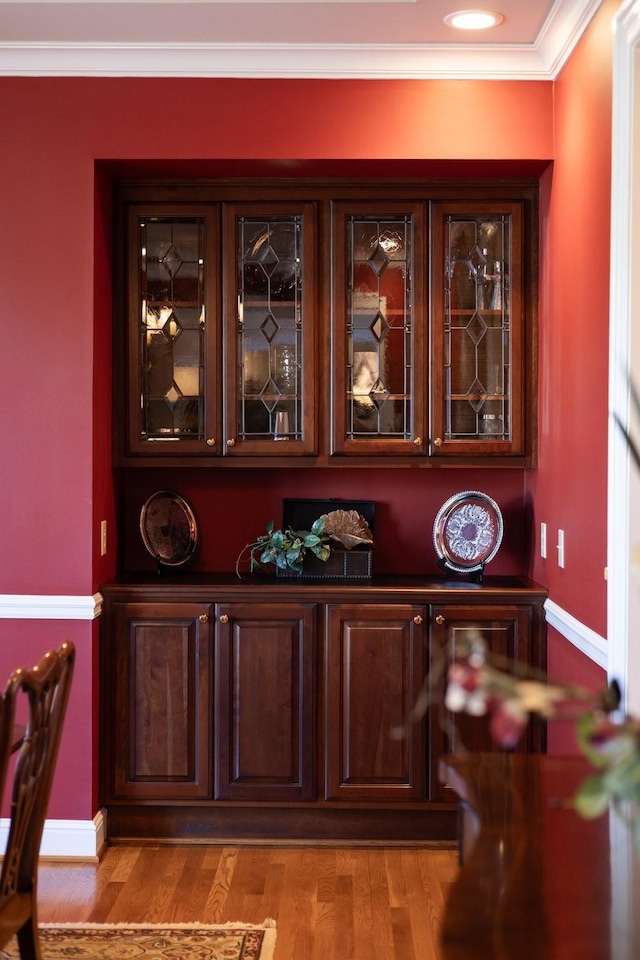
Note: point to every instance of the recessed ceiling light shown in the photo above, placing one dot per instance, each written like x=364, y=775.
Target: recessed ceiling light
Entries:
x=473, y=19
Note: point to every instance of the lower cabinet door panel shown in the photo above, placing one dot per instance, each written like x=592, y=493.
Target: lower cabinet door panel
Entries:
x=264, y=701
x=162, y=700
x=506, y=632
x=374, y=670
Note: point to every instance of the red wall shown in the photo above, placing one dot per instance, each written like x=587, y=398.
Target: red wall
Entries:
x=569, y=488
x=64, y=139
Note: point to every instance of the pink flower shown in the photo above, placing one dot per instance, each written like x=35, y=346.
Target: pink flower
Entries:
x=466, y=690
x=508, y=721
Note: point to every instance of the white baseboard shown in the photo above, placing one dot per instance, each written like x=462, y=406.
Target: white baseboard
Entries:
x=590, y=643
x=67, y=839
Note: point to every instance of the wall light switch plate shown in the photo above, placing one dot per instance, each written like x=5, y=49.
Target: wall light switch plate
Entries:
x=103, y=538
x=561, y=548
x=543, y=541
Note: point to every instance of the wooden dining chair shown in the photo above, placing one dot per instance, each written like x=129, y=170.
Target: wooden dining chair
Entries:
x=46, y=687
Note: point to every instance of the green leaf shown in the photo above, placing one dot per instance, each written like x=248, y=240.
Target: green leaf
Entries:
x=623, y=779
x=294, y=555
x=322, y=552
x=317, y=526
x=584, y=729
x=277, y=540
x=592, y=799
x=268, y=555
x=311, y=540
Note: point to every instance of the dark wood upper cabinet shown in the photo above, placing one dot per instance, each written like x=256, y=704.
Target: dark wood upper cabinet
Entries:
x=269, y=329
x=172, y=335
x=478, y=335
x=326, y=321
x=379, y=327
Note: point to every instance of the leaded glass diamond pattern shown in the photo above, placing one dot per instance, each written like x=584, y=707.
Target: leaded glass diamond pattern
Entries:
x=378, y=327
x=172, y=312
x=379, y=260
x=270, y=327
x=172, y=261
x=476, y=326
x=379, y=394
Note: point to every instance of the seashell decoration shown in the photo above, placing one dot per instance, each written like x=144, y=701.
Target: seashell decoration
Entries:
x=348, y=527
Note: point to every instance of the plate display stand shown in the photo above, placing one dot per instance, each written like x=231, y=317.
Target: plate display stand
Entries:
x=467, y=533
x=475, y=576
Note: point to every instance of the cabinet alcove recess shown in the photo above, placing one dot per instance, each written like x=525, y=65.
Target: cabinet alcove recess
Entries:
x=263, y=709
x=325, y=322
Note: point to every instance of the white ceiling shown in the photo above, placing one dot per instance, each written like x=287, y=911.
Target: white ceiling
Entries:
x=286, y=38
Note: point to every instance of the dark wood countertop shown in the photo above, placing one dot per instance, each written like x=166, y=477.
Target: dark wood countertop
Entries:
x=406, y=588
x=537, y=882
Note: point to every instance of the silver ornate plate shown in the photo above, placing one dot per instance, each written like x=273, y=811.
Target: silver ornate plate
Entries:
x=168, y=528
x=467, y=531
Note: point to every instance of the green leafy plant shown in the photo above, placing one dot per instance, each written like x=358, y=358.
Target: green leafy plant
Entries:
x=286, y=548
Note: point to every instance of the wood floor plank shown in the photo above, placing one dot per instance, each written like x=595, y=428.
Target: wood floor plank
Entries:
x=329, y=903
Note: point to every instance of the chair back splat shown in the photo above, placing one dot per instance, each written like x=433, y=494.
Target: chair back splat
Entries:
x=46, y=687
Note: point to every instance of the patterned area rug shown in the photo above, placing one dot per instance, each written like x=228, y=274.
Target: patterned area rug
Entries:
x=121, y=941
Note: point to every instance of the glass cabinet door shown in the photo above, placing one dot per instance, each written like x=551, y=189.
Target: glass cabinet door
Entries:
x=171, y=351
x=477, y=324
x=269, y=329
x=378, y=373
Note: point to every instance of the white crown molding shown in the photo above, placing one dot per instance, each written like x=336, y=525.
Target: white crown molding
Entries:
x=586, y=640
x=67, y=839
x=539, y=61
x=14, y=606
x=308, y=61
x=561, y=31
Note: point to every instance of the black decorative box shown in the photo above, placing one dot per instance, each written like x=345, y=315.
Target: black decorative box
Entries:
x=355, y=564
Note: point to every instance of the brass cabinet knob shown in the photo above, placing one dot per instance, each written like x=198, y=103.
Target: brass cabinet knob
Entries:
x=439, y=618
x=224, y=618
x=417, y=619
x=231, y=442
x=211, y=441
x=204, y=618
x=437, y=442
x=418, y=441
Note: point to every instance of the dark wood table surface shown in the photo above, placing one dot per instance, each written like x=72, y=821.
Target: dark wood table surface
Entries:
x=537, y=882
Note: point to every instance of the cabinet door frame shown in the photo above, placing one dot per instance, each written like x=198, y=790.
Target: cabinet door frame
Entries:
x=294, y=693
x=194, y=620
x=344, y=716
x=341, y=443
x=210, y=444
x=516, y=623
x=439, y=446
x=232, y=445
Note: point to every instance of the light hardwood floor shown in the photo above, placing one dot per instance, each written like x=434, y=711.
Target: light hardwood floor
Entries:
x=329, y=903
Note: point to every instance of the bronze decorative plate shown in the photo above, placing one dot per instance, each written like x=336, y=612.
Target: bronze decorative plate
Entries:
x=168, y=528
x=467, y=531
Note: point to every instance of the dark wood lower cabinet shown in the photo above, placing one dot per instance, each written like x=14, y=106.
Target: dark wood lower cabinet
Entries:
x=161, y=701
x=510, y=633
x=374, y=669
x=265, y=704
x=271, y=709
